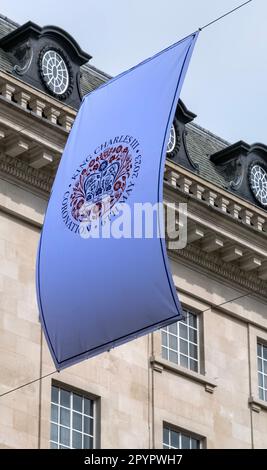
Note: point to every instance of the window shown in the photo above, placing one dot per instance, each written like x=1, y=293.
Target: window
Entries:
x=262, y=370
x=72, y=420
x=180, y=342
x=179, y=439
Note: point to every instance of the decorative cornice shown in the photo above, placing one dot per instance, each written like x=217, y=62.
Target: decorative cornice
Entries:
x=23, y=172
x=216, y=265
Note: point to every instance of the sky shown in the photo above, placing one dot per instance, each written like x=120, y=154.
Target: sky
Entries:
x=226, y=82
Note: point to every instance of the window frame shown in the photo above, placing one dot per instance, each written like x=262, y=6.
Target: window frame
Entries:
x=200, y=342
x=96, y=413
x=182, y=432
x=256, y=334
x=263, y=344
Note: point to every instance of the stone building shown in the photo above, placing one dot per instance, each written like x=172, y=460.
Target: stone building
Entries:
x=199, y=383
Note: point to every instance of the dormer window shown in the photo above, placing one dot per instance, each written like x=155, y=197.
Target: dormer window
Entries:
x=47, y=58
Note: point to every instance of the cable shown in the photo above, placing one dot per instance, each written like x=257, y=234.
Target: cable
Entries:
x=186, y=316
x=224, y=15
x=216, y=306
x=26, y=384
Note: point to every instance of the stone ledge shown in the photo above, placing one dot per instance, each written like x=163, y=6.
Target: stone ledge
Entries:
x=160, y=365
x=257, y=405
x=215, y=197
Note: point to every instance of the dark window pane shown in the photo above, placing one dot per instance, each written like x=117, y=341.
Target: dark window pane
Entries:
x=173, y=342
x=91, y=426
x=86, y=425
x=54, y=432
x=183, y=347
x=261, y=394
x=173, y=357
x=192, y=320
x=183, y=331
x=53, y=445
x=77, y=421
x=265, y=382
x=260, y=364
x=173, y=328
x=165, y=447
x=63, y=447
x=183, y=361
x=193, y=365
x=193, y=335
x=259, y=350
x=164, y=338
x=54, y=413
x=185, y=442
x=165, y=435
x=77, y=440
x=194, y=444
x=65, y=398
x=265, y=367
x=185, y=321
x=164, y=353
x=175, y=439
x=64, y=417
x=264, y=352
x=54, y=394
x=64, y=436
x=88, y=407
x=260, y=379
x=88, y=442
x=77, y=403
x=193, y=350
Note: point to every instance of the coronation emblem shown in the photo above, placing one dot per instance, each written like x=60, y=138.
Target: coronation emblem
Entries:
x=103, y=179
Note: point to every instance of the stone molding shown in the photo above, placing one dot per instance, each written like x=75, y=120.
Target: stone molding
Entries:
x=21, y=171
x=230, y=272
x=159, y=365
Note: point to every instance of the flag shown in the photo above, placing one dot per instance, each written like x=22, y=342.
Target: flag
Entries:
x=95, y=288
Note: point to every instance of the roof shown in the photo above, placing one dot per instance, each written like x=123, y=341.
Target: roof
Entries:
x=200, y=142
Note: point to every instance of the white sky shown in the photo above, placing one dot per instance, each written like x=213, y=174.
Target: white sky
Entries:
x=226, y=81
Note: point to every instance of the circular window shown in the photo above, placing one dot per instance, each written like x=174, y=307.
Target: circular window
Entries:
x=55, y=72
x=258, y=182
x=172, y=140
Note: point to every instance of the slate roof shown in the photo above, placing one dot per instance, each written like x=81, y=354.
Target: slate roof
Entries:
x=200, y=142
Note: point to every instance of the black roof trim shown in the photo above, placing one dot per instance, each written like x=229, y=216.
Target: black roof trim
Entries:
x=232, y=151
x=187, y=115
x=69, y=40
x=259, y=147
x=19, y=34
x=31, y=29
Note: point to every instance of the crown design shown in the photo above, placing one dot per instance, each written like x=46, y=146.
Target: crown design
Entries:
x=100, y=184
x=105, y=176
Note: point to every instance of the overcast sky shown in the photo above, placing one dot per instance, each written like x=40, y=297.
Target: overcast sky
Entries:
x=226, y=83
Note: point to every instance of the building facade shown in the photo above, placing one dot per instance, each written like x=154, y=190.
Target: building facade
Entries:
x=199, y=383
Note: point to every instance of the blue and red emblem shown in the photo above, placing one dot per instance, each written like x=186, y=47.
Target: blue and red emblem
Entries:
x=103, y=179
